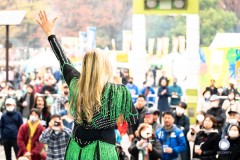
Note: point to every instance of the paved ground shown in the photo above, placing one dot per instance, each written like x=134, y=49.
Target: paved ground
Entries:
x=2, y=154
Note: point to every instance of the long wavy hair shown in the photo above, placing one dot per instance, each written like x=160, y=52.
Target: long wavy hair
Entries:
x=96, y=72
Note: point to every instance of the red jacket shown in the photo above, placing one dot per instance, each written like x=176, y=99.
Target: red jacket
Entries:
x=22, y=140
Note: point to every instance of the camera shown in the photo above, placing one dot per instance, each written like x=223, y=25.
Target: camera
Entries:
x=56, y=123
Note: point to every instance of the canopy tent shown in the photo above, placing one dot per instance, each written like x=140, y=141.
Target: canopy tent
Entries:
x=43, y=59
x=225, y=40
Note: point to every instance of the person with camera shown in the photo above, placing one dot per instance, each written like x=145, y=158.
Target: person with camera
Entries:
x=145, y=146
x=56, y=136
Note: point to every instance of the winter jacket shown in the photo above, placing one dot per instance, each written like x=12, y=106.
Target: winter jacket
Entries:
x=232, y=153
x=208, y=141
x=182, y=121
x=173, y=138
x=10, y=124
x=22, y=141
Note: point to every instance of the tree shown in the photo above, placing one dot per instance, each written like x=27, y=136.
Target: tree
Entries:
x=213, y=19
x=234, y=6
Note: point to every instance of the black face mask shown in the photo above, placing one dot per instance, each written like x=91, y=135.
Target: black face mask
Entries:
x=66, y=92
x=131, y=82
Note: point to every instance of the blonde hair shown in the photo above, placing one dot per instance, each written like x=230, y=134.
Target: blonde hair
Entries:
x=96, y=72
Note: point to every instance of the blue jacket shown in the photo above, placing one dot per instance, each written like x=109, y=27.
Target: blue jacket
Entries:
x=176, y=141
x=133, y=90
x=10, y=124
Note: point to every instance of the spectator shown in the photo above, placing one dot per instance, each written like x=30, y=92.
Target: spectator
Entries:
x=66, y=117
x=163, y=94
x=11, y=93
x=48, y=87
x=145, y=145
x=175, y=93
x=56, y=136
x=133, y=89
x=231, y=153
x=212, y=88
x=41, y=104
x=38, y=84
x=171, y=138
x=10, y=123
x=142, y=110
x=231, y=104
x=231, y=87
x=59, y=104
x=204, y=102
x=155, y=117
x=217, y=112
x=163, y=77
x=28, y=137
x=26, y=102
x=148, y=92
x=232, y=120
x=192, y=133
x=182, y=121
x=206, y=142
x=122, y=125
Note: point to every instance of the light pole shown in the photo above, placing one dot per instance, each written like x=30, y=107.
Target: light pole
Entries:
x=7, y=18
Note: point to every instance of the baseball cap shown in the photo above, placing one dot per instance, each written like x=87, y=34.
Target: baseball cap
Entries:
x=10, y=101
x=232, y=111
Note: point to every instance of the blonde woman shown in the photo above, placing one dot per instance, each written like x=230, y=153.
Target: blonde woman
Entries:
x=95, y=102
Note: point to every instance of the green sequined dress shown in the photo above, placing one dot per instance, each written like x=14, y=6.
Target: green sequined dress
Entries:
x=95, y=140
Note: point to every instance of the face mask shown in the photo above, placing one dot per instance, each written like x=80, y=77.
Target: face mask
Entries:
x=66, y=92
x=175, y=83
x=220, y=90
x=180, y=110
x=232, y=121
x=10, y=109
x=33, y=118
x=146, y=133
x=207, y=96
x=214, y=104
x=200, y=118
x=131, y=82
x=233, y=134
x=11, y=92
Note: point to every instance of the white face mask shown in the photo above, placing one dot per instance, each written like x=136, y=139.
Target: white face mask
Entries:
x=33, y=118
x=56, y=132
x=200, y=117
x=146, y=133
x=179, y=110
x=214, y=104
x=232, y=121
x=207, y=96
x=10, y=108
x=233, y=134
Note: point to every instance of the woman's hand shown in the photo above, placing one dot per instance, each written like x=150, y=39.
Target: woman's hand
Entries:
x=45, y=24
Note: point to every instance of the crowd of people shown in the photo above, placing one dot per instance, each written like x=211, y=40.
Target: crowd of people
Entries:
x=38, y=124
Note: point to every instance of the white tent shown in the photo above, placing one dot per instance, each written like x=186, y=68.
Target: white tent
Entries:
x=43, y=59
x=226, y=40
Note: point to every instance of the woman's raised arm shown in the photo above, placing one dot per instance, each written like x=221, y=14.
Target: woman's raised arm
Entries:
x=69, y=72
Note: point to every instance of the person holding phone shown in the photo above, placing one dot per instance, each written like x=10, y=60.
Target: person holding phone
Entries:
x=56, y=136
